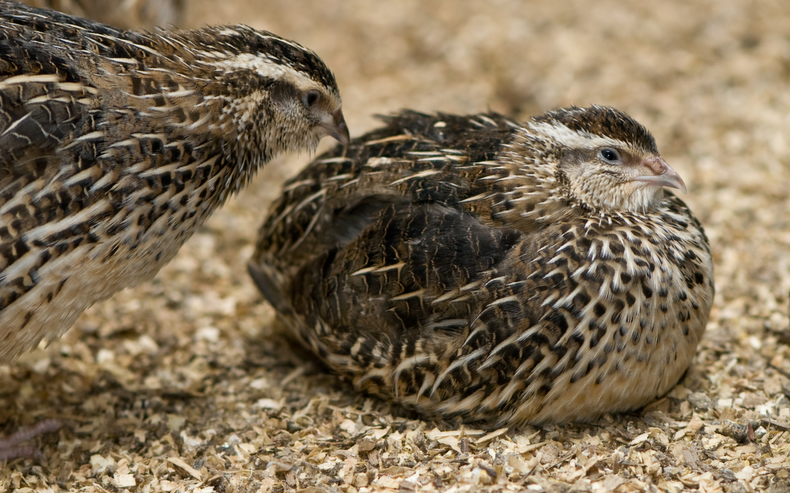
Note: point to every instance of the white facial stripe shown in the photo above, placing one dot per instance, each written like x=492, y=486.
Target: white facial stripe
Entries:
x=228, y=32
x=266, y=67
x=281, y=40
x=575, y=139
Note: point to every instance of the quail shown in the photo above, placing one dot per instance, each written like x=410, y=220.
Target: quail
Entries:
x=117, y=145
x=481, y=269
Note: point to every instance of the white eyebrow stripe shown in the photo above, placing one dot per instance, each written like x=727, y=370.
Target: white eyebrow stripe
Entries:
x=574, y=138
x=266, y=67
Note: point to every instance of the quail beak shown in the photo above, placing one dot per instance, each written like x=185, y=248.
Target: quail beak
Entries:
x=337, y=128
x=661, y=175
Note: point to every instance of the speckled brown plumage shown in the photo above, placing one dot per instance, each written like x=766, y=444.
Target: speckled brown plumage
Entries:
x=496, y=271
x=116, y=145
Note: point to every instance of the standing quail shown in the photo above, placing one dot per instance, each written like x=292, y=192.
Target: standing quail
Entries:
x=117, y=145
x=499, y=272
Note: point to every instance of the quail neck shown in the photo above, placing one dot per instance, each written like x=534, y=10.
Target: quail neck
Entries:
x=494, y=271
x=118, y=144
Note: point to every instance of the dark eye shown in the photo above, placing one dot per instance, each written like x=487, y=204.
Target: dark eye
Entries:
x=609, y=155
x=310, y=98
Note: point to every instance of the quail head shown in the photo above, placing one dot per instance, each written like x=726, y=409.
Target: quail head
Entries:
x=117, y=145
x=479, y=268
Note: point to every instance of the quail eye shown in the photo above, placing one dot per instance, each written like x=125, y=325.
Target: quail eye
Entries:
x=609, y=155
x=310, y=98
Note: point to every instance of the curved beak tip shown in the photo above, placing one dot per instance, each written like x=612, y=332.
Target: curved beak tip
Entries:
x=664, y=175
x=342, y=134
x=670, y=178
x=338, y=128
x=681, y=185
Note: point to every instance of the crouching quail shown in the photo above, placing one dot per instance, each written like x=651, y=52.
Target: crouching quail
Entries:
x=117, y=145
x=479, y=268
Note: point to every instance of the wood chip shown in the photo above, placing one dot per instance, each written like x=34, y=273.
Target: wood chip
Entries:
x=491, y=436
x=179, y=463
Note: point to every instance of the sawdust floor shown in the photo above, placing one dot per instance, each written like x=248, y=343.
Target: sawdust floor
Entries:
x=182, y=384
